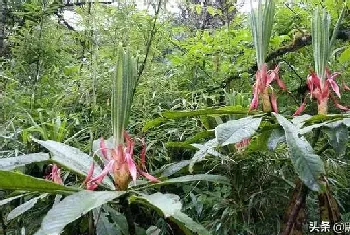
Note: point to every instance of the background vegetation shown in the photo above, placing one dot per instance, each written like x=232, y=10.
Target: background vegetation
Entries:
x=56, y=78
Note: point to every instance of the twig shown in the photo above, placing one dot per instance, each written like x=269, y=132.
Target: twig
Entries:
x=149, y=43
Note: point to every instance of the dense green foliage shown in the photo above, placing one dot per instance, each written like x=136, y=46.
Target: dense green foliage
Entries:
x=193, y=88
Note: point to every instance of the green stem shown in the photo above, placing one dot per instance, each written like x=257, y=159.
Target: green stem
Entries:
x=326, y=146
x=129, y=218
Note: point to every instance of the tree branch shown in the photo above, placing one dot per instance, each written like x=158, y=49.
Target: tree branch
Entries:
x=63, y=21
x=149, y=43
x=298, y=43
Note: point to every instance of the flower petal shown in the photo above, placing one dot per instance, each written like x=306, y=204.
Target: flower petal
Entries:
x=103, y=148
x=339, y=106
x=301, y=108
x=149, y=177
x=274, y=102
x=90, y=173
x=334, y=86
x=105, y=171
x=129, y=143
x=131, y=166
x=255, y=101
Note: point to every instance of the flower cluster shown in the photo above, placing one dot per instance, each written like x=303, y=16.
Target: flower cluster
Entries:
x=321, y=91
x=119, y=162
x=263, y=80
x=55, y=174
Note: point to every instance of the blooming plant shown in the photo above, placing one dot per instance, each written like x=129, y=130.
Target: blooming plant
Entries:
x=322, y=80
x=119, y=161
x=321, y=92
x=261, y=23
x=261, y=88
x=55, y=174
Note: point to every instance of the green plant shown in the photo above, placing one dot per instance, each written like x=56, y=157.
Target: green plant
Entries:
x=120, y=164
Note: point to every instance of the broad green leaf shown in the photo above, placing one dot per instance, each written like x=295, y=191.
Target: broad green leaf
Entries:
x=331, y=123
x=211, y=10
x=277, y=136
x=103, y=226
x=188, y=225
x=187, y=144
x=24, y=207
x=316, y=119
x=73, y=207
x=198, y=9
x=154, y=123
x=259, y=142
x=194, y=113
x=118, y=219
x=307, y=164
x=17, y=181
x=345, y=56
x=11, y=163
x=7, y=200
x=199, y=177
x=338, y=138
x=73, y=159
x=153, y=230
x=345, y=121
x=182, y=145
x=235, y=131
x=203, y=151
x=169, y=205
x=174, y=168
x=299, y=121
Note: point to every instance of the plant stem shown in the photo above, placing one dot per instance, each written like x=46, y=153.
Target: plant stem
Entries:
x=266, y=101
x=323, y=106
x=128, y=215
x=299, y=203
x=323, y=148
x=91, y=224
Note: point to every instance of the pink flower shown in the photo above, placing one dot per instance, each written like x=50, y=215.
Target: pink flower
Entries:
x=321, y=90
x=263, y=80
x=55, y=174
x=120, y=163
x=243, y=144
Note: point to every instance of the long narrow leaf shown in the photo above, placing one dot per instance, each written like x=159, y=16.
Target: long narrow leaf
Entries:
x=13, y=162
x=261, y=21
x=17, y=181
x=124, y=81
x=73, y=159
x=25, y=207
